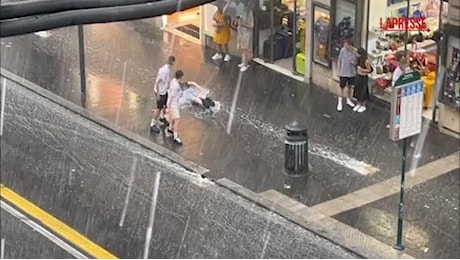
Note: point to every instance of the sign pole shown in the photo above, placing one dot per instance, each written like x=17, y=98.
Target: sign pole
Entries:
x=399, y=245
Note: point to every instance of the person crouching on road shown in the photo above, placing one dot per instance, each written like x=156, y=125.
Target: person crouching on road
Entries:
x=173, y=106
x=161, y=92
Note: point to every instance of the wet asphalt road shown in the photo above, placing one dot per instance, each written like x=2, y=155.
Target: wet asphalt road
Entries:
x=53, y=158
x=22, y=242
x=431, y=218
x=252, y=154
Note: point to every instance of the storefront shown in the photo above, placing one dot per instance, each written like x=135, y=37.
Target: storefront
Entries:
x=449, y=96
x=233, y=9
x=385, y=48
x=185, y=24
x=333, y=21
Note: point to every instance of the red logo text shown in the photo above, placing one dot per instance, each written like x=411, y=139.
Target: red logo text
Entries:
x=401, y=24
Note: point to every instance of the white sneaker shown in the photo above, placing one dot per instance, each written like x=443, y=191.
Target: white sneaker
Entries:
x=227, y=57
x=358, y=106
x=241, y=65
x=361, y=109
x=217, y=56
x=244, y=68
x=350, y=103
x=177, y=140
x=339, y=106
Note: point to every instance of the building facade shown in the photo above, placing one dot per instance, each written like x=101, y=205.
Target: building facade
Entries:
x=302, y=38
x=449, y=80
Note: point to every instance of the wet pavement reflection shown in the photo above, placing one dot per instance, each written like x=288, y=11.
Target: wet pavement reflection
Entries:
x=122, y=60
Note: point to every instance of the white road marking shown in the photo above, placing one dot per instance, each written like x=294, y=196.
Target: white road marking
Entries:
x=148, y=235
x=59, y=242
x=130, y=184
x=388, y=187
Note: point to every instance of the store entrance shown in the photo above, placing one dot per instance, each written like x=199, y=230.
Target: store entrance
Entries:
x=282, y=34
x=185, y=24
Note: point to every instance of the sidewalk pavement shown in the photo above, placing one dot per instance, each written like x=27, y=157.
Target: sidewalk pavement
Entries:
x=122, y=59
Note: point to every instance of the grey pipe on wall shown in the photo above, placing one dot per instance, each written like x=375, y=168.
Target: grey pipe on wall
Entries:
x=30, y=24
x=21, y=9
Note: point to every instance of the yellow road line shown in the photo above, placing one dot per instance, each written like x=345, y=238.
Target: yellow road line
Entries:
x=55, y=225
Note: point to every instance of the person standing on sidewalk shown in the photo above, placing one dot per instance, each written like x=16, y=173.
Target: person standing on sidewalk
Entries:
x=161, y=93
x=173, y=106
x=361, y=88
x=221, y=34
x=347, y=72
x=244, y=32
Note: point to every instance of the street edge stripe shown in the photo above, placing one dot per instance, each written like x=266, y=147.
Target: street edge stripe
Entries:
x=35, y=226
x=55, y=225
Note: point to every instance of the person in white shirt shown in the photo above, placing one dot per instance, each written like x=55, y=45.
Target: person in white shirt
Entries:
x=173, y=106
x=402, y=68
x=244, y=33
x=161, y=93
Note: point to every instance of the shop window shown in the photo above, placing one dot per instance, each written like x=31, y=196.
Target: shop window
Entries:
x=344, y=25
x=321, y=28
x=451, y=83
x=386, y=48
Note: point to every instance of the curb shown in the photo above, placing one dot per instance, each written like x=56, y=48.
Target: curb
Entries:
x=189, y=165
x=321, y=225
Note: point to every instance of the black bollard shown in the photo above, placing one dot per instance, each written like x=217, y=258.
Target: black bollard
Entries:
x=296, y=151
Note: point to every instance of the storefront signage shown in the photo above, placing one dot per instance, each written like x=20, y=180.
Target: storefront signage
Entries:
x=406, y=106
x=401, y=24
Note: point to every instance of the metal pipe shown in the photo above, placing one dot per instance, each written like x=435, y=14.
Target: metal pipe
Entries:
x=438, y=79
x=32, y=8
x=294, y=39
x=81, y=51
x=96, y=15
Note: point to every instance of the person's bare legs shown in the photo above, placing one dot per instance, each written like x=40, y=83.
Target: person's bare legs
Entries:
x=349, y=91
x=225, y=52
x=244, y=56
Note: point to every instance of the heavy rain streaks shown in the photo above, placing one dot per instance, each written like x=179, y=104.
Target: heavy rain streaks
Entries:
x=153, y=206
x=2, y=248
x=2, y=106
x=128, y=193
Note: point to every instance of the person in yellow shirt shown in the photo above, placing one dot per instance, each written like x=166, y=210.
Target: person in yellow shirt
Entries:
x=222, y=35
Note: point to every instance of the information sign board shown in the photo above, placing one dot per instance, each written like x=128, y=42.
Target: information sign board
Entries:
x=406, y=106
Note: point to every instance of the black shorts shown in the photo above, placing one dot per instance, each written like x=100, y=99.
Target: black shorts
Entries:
x=347, y=81
x=161, y=103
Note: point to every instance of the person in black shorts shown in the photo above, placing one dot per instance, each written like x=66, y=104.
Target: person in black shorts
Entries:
x=161, y=93
x=347, y=72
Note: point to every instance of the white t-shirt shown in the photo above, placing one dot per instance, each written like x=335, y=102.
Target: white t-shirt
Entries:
x=174, y=94
x=163, y=76
x=190, y=94
x=396, y=74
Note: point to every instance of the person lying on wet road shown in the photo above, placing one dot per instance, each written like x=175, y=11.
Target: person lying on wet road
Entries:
x=197, y=95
